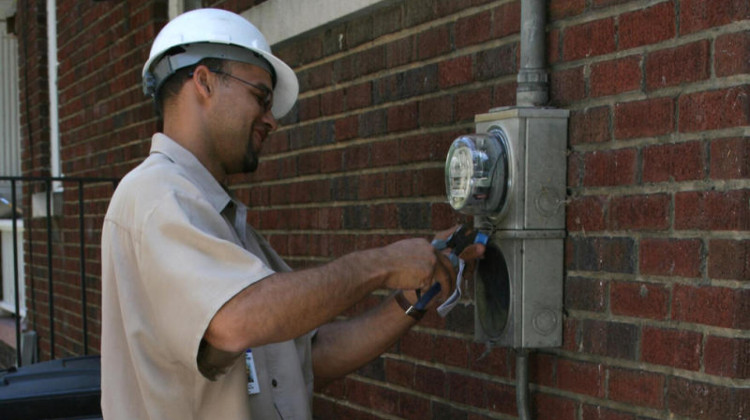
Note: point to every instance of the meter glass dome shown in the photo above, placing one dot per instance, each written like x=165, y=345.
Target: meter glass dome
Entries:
x=461, y=172
x=477, y=174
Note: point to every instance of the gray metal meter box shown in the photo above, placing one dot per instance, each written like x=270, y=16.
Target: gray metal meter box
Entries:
x=519, y=303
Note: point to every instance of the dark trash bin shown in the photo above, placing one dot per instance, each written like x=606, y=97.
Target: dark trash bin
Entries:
x=59, y=389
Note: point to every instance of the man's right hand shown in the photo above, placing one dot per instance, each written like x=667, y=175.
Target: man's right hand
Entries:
x=414, y=264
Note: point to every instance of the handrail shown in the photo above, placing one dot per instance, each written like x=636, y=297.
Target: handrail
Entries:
x=82, y=257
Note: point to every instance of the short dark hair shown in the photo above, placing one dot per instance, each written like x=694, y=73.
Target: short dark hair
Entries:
x=171, y=87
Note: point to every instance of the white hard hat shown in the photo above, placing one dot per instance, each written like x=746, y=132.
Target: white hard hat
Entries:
x=215, y=33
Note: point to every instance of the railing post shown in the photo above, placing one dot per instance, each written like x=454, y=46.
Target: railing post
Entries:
x=15, y=271
x=50, y=297
x=84, y=314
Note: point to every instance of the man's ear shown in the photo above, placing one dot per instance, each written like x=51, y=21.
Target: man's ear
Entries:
x=203, y=81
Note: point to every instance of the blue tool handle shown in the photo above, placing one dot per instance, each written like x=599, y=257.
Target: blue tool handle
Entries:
x=427, y=297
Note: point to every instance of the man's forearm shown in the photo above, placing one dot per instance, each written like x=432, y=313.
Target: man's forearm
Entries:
x=287, y=305
x=344, y=346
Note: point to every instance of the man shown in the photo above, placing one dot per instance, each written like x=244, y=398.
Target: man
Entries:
x=201, y=318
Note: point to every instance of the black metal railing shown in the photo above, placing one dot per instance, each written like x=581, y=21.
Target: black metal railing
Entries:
x=48, y=181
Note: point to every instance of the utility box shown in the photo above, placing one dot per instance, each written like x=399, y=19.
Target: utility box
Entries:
x=512, y=176
x=528, y=232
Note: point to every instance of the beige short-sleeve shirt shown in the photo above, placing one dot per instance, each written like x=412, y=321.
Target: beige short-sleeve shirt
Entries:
x=175, y=249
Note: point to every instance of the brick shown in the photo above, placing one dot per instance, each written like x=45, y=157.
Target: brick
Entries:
x=728, y=357
x=697, y=15
x=383, y=216
x=643, y=389
x=586, y=214
x=729, y=259
x=639, y=212
x=473, y=29
x=371, y=186
x=616, y=76
x=433, y=42
x=436, y=111
x=567, y=86
x=414, y=216
x=402, y=117
x=730, y=158
x=590, y=125
x=421, y=148
x=371, y=396
x=346, y=128
x=455, y=72
x=358, y=96
x=712, y=210
x=399, y=372
x=554, y=49
x=506, y=19
x=730, y=307
x=675, y=66
x=589, y=39
x=559, y=9
x=671, y=257
x=410, y=407
x=642, y=300
x=675, y=348
x=610, y=339
x=384, y=153
x=714, y=110
x=597, y=412
x=575, y=169
x=430, y=381
x=732, y=54
x=585, y=294
x=418, y=11
x=470, y=103
x=451, y=351
x=504, y=95
x=581, y=378
x=545, y=406
x=466, y=390
x=494, y=361
x=419, y=81
x=542, y=369
x=703, y=401
x=601, y=254
x=674, y=162
x=495, y=62
x=609, y=168
x=332, y=102
x=399, y=52
x=647, y=118
x=647, y=26
x=372, y=123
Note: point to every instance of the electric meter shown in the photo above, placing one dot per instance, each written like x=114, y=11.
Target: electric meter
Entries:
x=477, y=173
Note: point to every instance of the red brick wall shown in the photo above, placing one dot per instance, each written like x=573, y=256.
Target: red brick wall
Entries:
x=656, y=285
x=105, y=126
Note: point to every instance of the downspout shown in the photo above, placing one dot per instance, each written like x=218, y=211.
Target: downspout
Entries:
x=54, y=119
x=532, y=76
x=532, y=91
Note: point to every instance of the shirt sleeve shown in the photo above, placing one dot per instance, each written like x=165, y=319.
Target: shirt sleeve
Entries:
x=192, y=266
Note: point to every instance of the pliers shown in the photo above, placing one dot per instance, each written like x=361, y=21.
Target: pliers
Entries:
x=458, y=241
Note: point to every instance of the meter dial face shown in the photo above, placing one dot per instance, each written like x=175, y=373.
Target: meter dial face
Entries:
x=461, y=170
x=477, y=173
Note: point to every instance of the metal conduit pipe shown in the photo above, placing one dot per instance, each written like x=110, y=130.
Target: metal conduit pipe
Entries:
x=532, y=90
x=522, y=384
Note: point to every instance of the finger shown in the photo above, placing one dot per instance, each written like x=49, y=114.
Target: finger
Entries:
x=472, y=252
x=445, y=234
x=445, y=274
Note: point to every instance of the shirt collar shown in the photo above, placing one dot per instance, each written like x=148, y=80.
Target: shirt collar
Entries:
x=215, y=193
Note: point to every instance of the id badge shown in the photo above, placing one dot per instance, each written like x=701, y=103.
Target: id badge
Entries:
x=252, y=377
